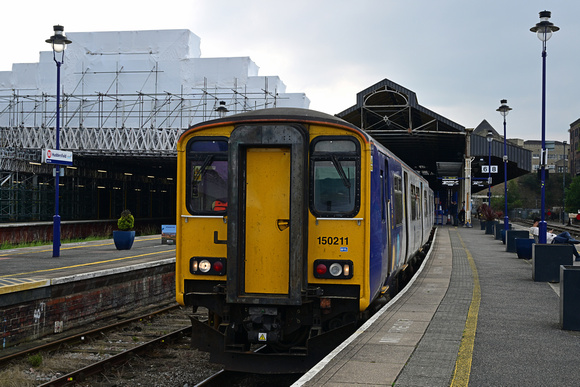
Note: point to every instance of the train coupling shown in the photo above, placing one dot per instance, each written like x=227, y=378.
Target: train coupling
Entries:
x=263, y=325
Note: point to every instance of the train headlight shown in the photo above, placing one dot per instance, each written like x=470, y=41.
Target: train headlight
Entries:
x=204, y=266
x=333, y=269
x=207, y=266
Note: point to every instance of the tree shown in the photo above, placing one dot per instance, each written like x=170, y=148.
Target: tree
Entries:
x=513, y=198
x=573, y=195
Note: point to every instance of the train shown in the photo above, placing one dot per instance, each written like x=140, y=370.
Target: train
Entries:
x=293, y=227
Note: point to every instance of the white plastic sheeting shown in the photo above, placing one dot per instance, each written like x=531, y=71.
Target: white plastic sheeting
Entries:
x=136, y=79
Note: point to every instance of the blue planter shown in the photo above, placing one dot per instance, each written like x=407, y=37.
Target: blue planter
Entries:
x=482, y=224
x=570, y=297
x=546, y=261
x=123, y=239
x=510, y=239
x=524, y=247
x=489, y=224
x=498, y=231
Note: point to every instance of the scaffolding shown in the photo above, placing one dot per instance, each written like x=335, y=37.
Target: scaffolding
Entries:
x=108, y=125
x=140, y=123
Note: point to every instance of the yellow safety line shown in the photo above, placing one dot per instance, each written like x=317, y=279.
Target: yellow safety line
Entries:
x=84, y=264
x=12, y=288
x=465, y=356
x=69, y=248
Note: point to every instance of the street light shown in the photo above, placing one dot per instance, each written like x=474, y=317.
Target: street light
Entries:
x=489, y=140
x=504, y=110
x=564, y=186
x=544, y=30
x=58, y=43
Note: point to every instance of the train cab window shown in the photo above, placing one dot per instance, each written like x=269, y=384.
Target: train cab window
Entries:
x=207, y=176
x=334, y=176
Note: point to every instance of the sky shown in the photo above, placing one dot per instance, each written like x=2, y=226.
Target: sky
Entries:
x=460, y=57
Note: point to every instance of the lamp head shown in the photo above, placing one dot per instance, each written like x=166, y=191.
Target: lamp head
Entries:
x=222, y=110
x=504, y=109
x=58, y=41
x=544, y=28
x=489, y=136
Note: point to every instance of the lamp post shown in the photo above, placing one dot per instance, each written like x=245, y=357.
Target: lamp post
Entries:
x=544, y=30
x=564, y=186
x=58, y=42
x=489, y=140
x=504, y=109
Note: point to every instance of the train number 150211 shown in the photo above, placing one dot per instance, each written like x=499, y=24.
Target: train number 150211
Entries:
x=337, y=241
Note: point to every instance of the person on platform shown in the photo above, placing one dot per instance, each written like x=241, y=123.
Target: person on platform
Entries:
x=461, y=215
x=563, y=237
x=453, y=212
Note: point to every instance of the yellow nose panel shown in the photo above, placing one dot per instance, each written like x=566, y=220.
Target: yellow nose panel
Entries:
x=267, y=219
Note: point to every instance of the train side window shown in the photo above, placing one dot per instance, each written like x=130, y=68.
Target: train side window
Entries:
x=334, y=176
x=413, y=202
x=383, y=198
x=207, y=175
x=398, y=199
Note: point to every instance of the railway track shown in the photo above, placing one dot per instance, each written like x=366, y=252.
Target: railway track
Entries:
x=148, y=350
x=105, y=365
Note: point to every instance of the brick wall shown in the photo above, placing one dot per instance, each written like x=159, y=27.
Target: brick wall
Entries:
x=75, y=304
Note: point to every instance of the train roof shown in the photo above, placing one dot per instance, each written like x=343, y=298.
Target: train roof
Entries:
x=282, y=114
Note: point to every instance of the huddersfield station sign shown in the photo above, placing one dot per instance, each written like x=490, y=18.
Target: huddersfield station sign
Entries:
x=52, y=156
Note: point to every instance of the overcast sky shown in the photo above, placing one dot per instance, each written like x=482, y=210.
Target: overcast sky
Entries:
x=461, y=57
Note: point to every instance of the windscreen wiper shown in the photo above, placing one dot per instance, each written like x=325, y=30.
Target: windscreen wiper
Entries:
x=340, y=171
x=199, y=173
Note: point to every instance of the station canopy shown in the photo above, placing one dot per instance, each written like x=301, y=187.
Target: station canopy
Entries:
x=428, y=142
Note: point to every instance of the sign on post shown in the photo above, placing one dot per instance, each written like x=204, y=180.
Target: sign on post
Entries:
x=53, y=156
x=486, y=168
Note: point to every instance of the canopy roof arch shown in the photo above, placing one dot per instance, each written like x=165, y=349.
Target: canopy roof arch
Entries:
x=427, y=141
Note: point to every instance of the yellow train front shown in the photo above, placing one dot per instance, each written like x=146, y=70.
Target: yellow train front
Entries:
x=274, y=236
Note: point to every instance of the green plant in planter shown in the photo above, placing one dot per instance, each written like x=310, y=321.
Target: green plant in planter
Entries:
x=125, y=236
x=126, y=222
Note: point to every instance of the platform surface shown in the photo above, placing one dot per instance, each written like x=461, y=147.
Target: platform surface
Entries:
x=473, y=316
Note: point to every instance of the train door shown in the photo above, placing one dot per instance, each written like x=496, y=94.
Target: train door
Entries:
x=266, y=218
x=423, y=203
x=407, y=216
x=385, y=199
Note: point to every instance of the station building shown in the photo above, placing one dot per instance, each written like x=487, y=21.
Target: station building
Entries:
x=575, y=147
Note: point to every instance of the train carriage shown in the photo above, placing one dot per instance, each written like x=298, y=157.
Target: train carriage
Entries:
x=293, y=225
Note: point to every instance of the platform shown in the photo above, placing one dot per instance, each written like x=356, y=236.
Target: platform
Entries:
x=33, y=267
x=472, y=316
